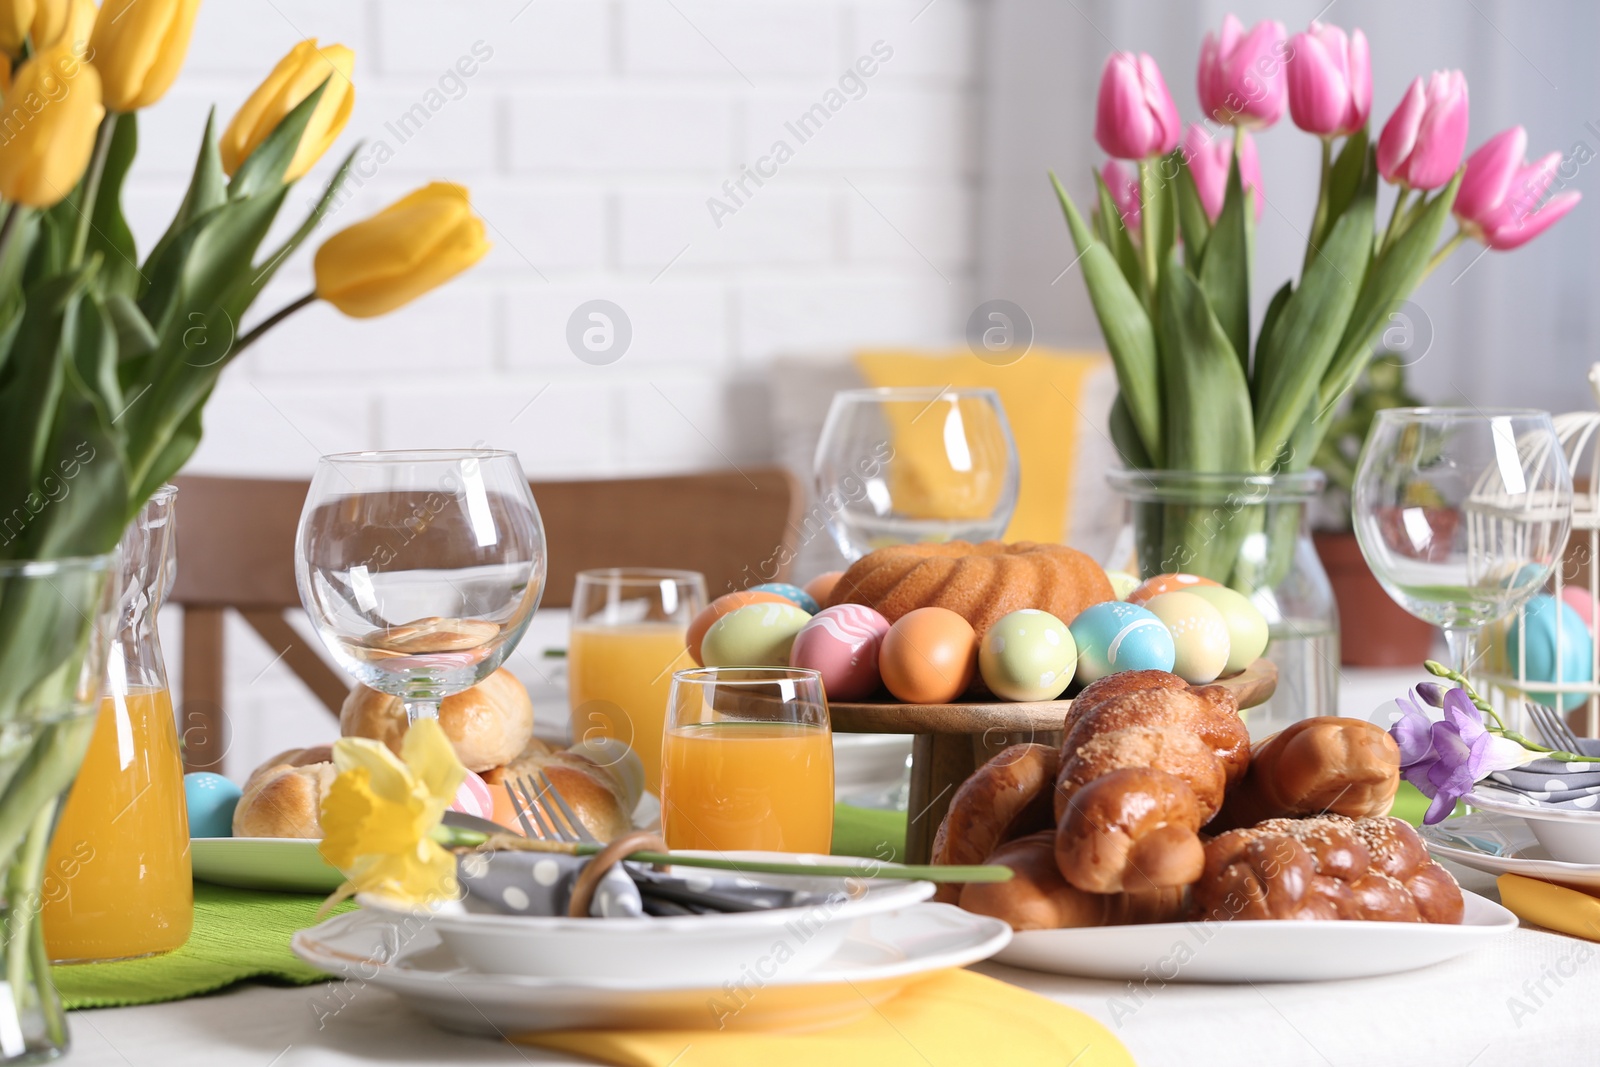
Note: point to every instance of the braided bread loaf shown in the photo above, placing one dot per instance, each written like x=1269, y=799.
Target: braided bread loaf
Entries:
x=1038, y=898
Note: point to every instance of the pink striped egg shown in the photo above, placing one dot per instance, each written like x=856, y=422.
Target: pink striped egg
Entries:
x=473, y=798
x=841, y=643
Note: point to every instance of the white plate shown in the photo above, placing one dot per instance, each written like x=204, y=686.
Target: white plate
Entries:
x=1519, y=852
x=881, y=955
x=586, y=949
x=1256, y=951
x=1568, y=834
x=291, y=864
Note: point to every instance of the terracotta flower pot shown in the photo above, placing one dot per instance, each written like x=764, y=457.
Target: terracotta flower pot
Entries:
x=1374, y=631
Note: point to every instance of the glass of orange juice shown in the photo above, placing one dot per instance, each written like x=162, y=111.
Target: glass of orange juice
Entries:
x=629, y=634
x=117, y=880
x=748, y=761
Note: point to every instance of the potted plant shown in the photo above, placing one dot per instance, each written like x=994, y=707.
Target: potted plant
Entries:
x=1374, y=630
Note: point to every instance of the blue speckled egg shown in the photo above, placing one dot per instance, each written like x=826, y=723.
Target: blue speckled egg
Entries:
x=1572, y=661
x=211, y=799
x=792, y=593
x=1116, y=636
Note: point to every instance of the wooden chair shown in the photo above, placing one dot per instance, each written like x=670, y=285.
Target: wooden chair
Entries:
x=236, y=552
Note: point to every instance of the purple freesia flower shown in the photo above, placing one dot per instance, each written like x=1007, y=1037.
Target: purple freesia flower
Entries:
x=1446, y=759
x=1413, y=732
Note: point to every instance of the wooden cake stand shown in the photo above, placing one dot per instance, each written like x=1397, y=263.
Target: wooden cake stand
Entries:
x=950, y=741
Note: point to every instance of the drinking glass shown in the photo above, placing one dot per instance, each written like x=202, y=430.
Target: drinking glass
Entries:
x=748, y=761
x=420, y=570
x=916, y=464
x=629, y=634
x=1462, y=512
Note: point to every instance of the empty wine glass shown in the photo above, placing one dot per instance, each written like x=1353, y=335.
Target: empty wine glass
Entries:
x=1462, y=512
x=915, y=464
x=420, y=570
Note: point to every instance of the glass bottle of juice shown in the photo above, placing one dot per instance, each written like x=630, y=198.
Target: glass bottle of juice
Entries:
x=117, y=881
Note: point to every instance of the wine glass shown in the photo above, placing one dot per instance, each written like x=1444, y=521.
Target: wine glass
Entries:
x=1462, y=513
x=420, y=570
x=915, y=464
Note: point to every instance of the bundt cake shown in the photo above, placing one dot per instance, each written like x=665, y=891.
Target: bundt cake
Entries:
x=979, y=582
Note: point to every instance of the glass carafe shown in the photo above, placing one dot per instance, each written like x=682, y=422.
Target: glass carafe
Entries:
x=119, y=882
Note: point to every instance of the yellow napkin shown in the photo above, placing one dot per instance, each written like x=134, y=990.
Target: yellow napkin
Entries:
x=1554, y=907
x=1041, y=393
x=951, y=1019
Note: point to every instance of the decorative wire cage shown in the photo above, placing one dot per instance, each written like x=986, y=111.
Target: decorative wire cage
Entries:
x=1561, y=666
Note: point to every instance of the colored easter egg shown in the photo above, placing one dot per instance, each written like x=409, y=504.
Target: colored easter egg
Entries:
x=1549, y=659
x=842, y=643
x=1579, y=599
x=792, y=593
x=929, y=656
x=717, y=609
x=1165, y=583
x=1247, y=627
x=1116, y=636
x=474, y=797
x=756, y=635
x=1199, y=635
x=1027, y=655
x=821, y=587
x=210, y=799
x=1122, y=583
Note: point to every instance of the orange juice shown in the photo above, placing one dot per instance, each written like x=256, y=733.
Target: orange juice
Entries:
x=748, y=785
x=117, y=882
x=618, y=679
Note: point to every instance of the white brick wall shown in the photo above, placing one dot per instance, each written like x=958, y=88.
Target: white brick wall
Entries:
x=591, y=136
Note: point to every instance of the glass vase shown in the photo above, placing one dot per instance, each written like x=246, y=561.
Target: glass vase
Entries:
x=1250, y=532
x=53, y=641
x=122, y=846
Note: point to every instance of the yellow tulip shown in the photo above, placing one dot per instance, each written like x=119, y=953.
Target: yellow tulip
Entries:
x=42, y=20
x=71, y=21
x=139, y=46
x=47, y=127
x=377, y=815
x=420, y=241
x=296, y=77
x=16, y=22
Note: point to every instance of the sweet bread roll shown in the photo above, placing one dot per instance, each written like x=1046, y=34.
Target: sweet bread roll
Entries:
x=1211, y=717
x=1005, y=798
x=1038, y=898
x=594, y=792
x=1113, y=686
x=488, y=725
x=1133, y=830
x=283, y=797
x=1170, y=749
x=1327, y=764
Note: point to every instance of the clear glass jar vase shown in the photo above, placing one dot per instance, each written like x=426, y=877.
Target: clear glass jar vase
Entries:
x=121, y=851
x=53, y=631
x=1250, y=532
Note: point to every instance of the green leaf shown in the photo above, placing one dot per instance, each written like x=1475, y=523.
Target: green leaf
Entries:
x=1225, y=269
x=242, y=295
x=181, y=442
x=92, y=340
x=208, y=190
x=1308, y=329
x=1129, y=336
x=135, y=337
x=12, y=263
x=1344, y=179
x=1207, y=400
x=87, y=461
x=32, y=383
x=1269, y=322
x=263, y=169
x=1163, y=174
x=1192, y=219
x=1115, y=235
x=109, y=234
x=1392, y=278
x=1125, y=436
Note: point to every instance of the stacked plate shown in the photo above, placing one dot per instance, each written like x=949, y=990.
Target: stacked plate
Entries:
x=1558, y=802
x=792, y=969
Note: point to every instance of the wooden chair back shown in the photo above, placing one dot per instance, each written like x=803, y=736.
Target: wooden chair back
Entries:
x=236, y=540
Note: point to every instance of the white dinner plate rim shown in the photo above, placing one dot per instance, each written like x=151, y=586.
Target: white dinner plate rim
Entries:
x=1532, y=810
x=1493, y=864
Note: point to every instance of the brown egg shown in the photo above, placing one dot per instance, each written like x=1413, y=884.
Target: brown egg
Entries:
x=821, y=587
x=929, y=656
x=720, y=607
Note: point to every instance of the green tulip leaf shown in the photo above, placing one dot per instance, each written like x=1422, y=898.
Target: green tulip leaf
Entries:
x=1125, y=436
x=1193, y=222
x=208, y=190
x=84, y=474
x=244, y=294
x=1115, y=236
x=263, y=170
x=1225, y=268
x=135, y=336
x=1269, y=323
x=109, y=234
x=180, y=444
x=1344, y=179
x=1207, y=401
x=1130, y=338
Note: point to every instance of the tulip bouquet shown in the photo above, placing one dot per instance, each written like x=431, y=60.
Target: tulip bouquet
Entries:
x=107, y=356
x=1166, y=255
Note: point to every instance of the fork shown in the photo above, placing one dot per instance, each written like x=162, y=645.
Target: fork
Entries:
x=538, y=807
x=1553, y=728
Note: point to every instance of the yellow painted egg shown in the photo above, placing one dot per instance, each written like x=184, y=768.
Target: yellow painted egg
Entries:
x=1247, y=627
x=756, y=635
x=1199, y=635
x=719, y=607
x=1027, y=655
x=929, y=656
x=1122, y=583
x=1165, y=583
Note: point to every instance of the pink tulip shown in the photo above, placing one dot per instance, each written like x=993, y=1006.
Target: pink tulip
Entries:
x=1421, y=144
x=1498, y=202
x=1135, y=117
x=1330, y=81
x=1123, y=185
x=1241, y=74
x=1209, y=156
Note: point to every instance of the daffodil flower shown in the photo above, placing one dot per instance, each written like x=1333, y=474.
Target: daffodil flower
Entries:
x=380, y=811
